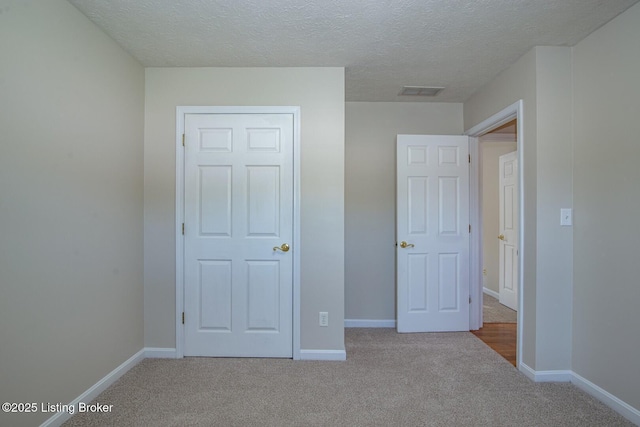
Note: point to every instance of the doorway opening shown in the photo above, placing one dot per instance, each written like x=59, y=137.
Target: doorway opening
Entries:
x=498, y=166
x=500, y=327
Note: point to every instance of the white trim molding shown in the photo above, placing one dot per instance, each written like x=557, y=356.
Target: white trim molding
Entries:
x=369, y=323
x=527, y=371
x=160, y=353
x=553, y=376
x=501, y=138
x=326, y=355
x=59, y=418
x=491, y=293
x=618, y=405
x=566, y=376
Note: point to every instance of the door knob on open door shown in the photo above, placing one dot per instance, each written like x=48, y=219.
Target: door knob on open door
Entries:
x=501, y=237
x=404, y=244
x=284, y=248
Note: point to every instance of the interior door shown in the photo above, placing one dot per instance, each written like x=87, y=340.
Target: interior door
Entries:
x=238, y=233
x=432, y=233
x=508, y=237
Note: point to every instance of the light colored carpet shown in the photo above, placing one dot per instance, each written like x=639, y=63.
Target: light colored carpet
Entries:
x=389, y=379
x=494, y=312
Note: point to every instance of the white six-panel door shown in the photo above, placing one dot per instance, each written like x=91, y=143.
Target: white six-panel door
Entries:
x=508, y=237
x=238, y=202
x=432, y=233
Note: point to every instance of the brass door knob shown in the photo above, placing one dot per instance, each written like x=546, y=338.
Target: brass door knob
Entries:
x=404, y=244
x=501, y=237
x=284, y=248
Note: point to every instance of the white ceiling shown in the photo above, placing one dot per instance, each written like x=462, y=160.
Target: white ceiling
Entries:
x=384, y=44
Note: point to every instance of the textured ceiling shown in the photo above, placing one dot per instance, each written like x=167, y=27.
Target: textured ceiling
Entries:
x=384, y=44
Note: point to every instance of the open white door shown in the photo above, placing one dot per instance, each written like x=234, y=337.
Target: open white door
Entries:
x=238, y=231
x=432, y=233
x=508, y=237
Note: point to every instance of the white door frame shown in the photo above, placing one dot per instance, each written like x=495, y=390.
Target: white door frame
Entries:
x=513, y=111
x=180, y=113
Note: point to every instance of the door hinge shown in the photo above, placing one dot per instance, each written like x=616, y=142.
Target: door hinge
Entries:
x=183, y=139
x=469, y=303
x=469, y=229
x=469, y=154
x=183, y=228
x=183, y=317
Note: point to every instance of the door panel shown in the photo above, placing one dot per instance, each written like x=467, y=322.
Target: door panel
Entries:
x=215, y=295
x=417, y=204
x=448, y=282
x=214, y=201
x=448, y=194
x=433, y=220
x=263, y=295
x=263, y=201
x=417, y=265
x=508, y=238
x=238, y=207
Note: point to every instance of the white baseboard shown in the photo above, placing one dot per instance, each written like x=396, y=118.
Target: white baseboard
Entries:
x=621, y=407
x=366, y=323
x=527, y=371
x=491, y=293
x=323, y=355
x=160, y=353
x=618, y=405
x=555, y=376
x=93, y=392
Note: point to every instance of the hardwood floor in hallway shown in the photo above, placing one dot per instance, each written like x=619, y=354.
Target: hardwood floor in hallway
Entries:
x=501, y=337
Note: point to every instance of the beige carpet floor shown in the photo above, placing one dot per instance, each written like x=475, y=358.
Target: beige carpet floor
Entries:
x=389, y=379
x=494, y=312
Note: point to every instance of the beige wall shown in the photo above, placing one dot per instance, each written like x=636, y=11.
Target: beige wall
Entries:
x=491, y=151
x=554, y=275
x=542, y=79
x=320, y=94
x=607, y=201
x=71, y=126
x=370, y=195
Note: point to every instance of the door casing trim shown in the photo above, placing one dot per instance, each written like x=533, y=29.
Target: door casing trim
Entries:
x=179, y=212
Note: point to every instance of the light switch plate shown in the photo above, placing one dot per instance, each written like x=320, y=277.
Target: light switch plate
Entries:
x=566, y=217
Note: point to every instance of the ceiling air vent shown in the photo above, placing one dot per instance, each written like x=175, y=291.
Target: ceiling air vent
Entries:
x=420, y=91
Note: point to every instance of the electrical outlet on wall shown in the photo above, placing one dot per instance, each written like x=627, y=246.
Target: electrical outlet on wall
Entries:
x=324, y=318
